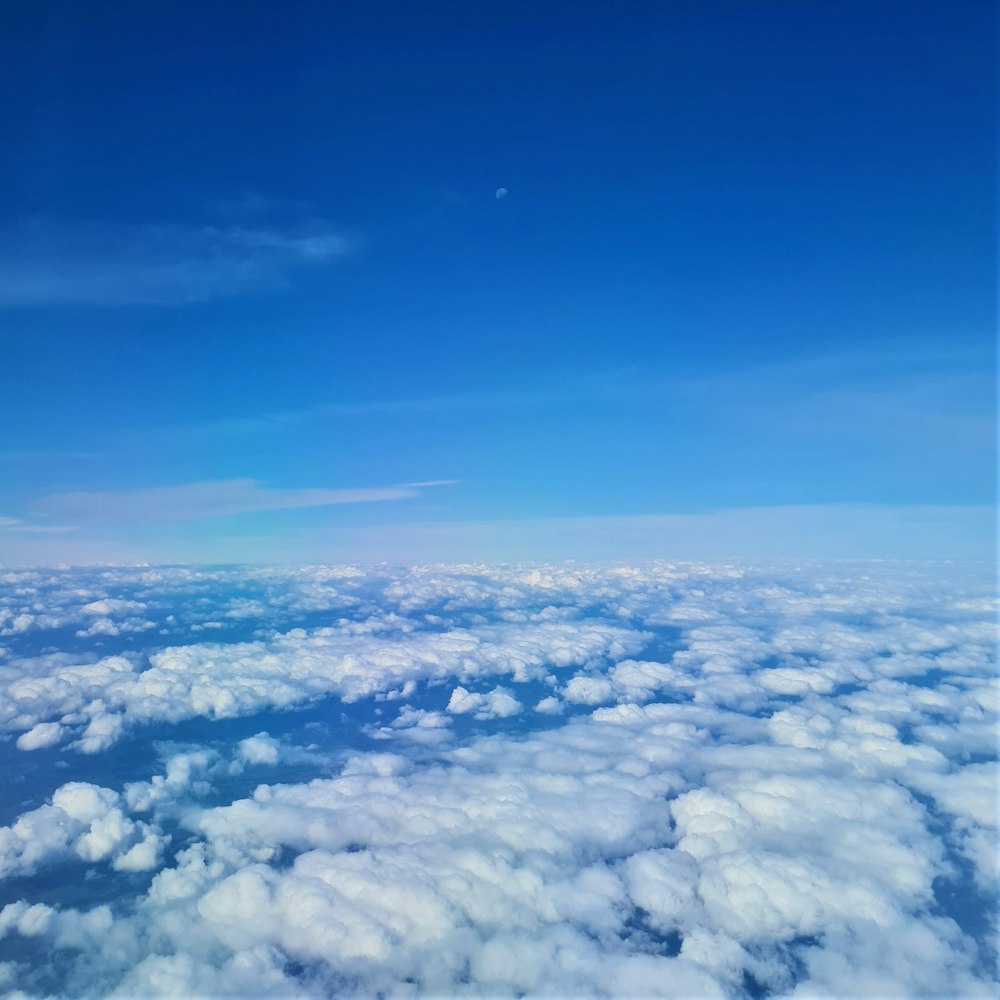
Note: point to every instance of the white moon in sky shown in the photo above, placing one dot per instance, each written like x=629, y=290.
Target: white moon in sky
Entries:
x=501, y=193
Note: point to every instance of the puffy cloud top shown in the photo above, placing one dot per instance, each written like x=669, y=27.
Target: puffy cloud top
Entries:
x=663, y=780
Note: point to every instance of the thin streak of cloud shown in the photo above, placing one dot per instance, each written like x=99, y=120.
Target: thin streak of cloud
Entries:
x=197, y=501
x=429, y=483
x=940, y=383
x=16, y=524
x=96, y=264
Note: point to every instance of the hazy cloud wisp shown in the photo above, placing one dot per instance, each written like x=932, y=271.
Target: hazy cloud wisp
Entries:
x=193, y=501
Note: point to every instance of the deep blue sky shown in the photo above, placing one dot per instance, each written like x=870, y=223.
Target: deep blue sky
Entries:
x=747, y=259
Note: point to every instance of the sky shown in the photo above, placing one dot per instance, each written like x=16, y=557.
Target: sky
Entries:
x=498, y=500
x=315, y=282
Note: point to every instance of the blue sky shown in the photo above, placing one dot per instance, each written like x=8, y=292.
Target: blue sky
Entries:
x=256, y=281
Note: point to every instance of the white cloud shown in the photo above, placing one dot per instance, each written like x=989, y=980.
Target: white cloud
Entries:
x=81, y=820
x=219, y=681
x=587, y=689
x=259, y=749
x=101, y=264
x=496, y=704
x=45, y=734
x=194, y=501
x=186, y=773
x=786, y=768
x=417, y=725
x=550, y=706
x=109, y=606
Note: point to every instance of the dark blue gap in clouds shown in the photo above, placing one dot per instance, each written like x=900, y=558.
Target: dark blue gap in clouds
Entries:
x=956, y=895
x=667, y=640
x=641, y=935
x=785, y=963
x=637, y=930
x=40, y=642
x=44, y=969
x=335, y=726
x=65, y=884
x=972, y=909
x=75, y=883
x=935, y=677
x=752, y=987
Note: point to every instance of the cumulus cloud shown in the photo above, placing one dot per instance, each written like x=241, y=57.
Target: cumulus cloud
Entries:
x=45, y=734
x=218, y=681
x=259, y=749
x=587, y=689
x=550, y=705
x=771, y=782
x=496, y=704
x=186, y=773
x=82, y=820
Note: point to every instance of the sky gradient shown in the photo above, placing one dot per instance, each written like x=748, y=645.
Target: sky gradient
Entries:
x=257, y=289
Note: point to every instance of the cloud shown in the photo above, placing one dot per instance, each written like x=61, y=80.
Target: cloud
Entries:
x=584, y=689
x=187, y=773
x=111, y=617
x=774, y=781
x=223, y=681
x=496, y=704
x=195, y=501
x=50, y=264
x=16, y=524
x=417, y=725
x=429, y=482
x=84, y=821
x=259, y=749
x=44, y=734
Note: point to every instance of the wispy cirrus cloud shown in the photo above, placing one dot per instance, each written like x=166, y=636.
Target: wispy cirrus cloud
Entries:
x=53, y=264
x=196, y=501
x=897, y=389
x=16, y=524
x=45, y=455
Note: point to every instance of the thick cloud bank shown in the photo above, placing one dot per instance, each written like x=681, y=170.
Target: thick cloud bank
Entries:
x=668, y=780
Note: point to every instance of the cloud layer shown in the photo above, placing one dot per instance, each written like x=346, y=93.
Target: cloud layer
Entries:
x=667, y=780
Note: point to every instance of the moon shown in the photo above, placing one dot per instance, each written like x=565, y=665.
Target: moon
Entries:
x=501, y=193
